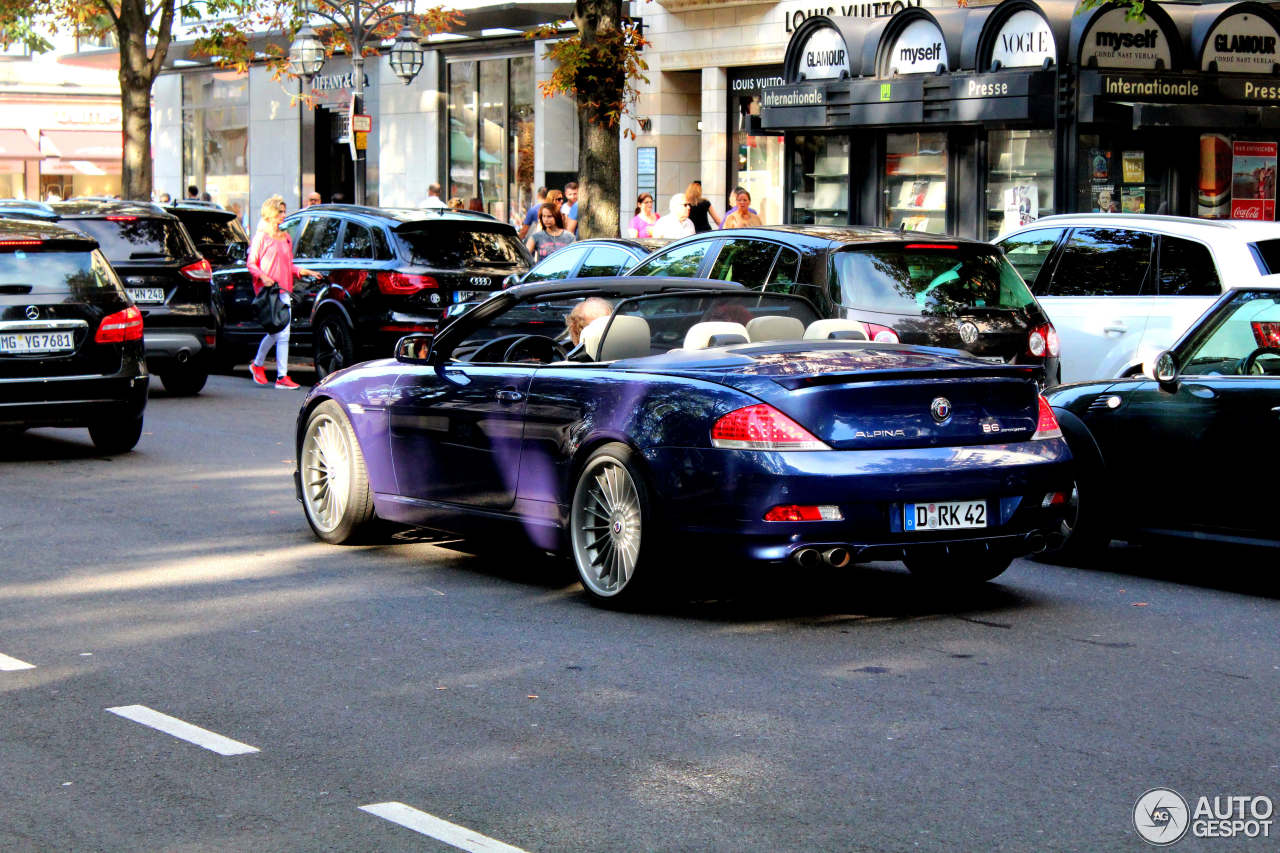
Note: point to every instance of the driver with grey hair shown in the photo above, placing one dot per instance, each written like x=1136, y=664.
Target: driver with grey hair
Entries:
x=591, y=308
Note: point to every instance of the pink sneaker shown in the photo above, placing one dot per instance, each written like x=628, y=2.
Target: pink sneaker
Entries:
x=287, y=384
x=259, y=375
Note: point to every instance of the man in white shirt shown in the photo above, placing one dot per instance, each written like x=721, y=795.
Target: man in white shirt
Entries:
x=433, y=197
x=675, y=224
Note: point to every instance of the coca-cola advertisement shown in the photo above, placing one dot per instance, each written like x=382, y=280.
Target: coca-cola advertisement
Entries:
x=1253, y=180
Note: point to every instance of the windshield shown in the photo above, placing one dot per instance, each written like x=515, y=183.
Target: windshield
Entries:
x=132, y=239
x=916, y=280
x=78, y=272
x=446, y=245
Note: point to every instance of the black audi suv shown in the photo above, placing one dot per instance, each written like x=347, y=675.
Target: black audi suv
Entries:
x=71, y=351
x=383, y=273
x=165, y=276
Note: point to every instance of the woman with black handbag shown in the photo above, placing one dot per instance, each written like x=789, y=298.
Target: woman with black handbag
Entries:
x=271, y=265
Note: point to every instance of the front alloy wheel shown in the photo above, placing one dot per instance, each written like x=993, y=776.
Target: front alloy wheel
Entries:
x=607, y=523
x=335, y=481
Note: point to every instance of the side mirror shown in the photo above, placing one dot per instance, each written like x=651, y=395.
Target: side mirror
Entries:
x=414, y=349
x=510, y=281
x=1166, y=371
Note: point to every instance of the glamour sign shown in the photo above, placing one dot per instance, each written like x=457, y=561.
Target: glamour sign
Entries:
x=918, y=49
x=1114, y=42
x=1242, y=44
x=1024, y=40
x=823, y=56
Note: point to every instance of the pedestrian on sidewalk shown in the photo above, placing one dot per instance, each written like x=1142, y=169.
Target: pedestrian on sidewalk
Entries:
x=675, y=224
x=701, y=213
x=271, y=262
x=551, y=236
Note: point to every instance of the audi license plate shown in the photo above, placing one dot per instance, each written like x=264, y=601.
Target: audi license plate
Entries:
x=27, y=342
x=146, y=295
x=945, y=515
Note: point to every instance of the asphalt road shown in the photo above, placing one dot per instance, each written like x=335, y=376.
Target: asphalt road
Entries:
x=837, y=711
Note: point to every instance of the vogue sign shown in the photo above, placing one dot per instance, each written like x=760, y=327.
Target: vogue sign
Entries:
x=1242, y=44
x=1024, y=40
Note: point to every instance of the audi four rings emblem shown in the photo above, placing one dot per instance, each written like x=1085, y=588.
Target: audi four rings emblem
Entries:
x=33, y=313
x=940, y=408
x=481, y=280
x=968, y=333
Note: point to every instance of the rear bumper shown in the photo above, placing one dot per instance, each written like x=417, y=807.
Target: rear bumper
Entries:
x=71, y=400
x=170, y=348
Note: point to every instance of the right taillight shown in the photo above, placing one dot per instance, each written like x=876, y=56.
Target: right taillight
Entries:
x=1043, y=341
x=402, y=284
x=762, y=427
x=1046, y=422
x=119, y=327
x=881, y=334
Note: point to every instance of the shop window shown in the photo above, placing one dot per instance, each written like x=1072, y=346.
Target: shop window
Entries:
x=1029, y=250
x=1187, y=269
x=1119, y=175
x=682, y=262
x=1102, y=262
x=356, y=242
x=605, y=260
x=819, y=180
x=1019, y=179
x=215, y=137
x=756, y=158
x=915, y=185
x=491, y=135
x=320, y=240
x=745, y=261
x=557, y=266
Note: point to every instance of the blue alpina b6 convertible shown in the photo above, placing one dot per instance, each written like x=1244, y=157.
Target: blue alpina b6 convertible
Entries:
x=692, y=418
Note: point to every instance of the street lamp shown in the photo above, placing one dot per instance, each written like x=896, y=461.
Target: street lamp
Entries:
x=360, y=19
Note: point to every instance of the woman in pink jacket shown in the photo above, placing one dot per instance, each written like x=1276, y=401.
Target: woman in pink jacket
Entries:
x=271, y=262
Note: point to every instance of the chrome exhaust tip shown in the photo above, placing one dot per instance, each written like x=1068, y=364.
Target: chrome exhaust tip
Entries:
x=838, y=557
x=183, y=356
x=1035, y=541
x=807, y=558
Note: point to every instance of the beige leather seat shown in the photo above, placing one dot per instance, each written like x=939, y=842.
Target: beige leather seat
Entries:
x=715, y=334
x=628, y=338
x=835, y=330
x=774, y=327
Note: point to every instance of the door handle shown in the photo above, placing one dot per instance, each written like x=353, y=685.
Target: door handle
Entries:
x=509, y=396
x=1117, y=327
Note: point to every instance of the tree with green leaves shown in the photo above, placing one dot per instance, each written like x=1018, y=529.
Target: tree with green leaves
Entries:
x=144, y=31
x=598, y=66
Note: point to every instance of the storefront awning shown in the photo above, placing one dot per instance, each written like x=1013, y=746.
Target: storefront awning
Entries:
x=83, y=144
x=16, y=145
x=54, y=166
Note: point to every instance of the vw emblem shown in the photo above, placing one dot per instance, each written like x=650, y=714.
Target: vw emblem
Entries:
x=968, y=333
x=33, y=313
x=940, y=408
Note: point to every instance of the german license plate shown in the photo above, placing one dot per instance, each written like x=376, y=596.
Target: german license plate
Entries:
x=28, y=342
x=146, y=295
x=945, y=515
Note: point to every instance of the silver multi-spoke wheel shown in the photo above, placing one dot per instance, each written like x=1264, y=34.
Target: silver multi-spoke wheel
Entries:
x=335, y=488
x=607, y=522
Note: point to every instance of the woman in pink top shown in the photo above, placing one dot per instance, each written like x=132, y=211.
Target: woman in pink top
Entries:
x=271, y=262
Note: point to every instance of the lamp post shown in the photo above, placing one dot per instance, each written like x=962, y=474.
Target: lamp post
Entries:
x=360, y=20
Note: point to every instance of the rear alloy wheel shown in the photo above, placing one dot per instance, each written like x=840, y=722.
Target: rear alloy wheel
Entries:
x=335, y=481
x=186, y=381
x=119, y=434
x=607, y=523
x=958, y=569
x=333, y=345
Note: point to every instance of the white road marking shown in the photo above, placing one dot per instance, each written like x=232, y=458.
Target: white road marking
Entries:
x=183, y=730
x=439, y=829
x=8, y=664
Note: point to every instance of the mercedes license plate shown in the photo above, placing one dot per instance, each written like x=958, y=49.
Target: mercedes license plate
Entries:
x=146, y=295
x=945, y=515
x=26, y=342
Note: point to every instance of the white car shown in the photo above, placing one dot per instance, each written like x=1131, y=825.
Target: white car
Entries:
x=1121, y=288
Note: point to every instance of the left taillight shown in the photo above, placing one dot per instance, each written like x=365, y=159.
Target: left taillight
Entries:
x=1043, y=341
x=881, y=334
x=1046, y=422
x=119, y=327
x=199, y=271
x=400, y=284
x=762, y=427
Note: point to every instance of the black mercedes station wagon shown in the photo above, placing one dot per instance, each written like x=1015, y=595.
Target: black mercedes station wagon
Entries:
x=384, y=273
x=167, y=278
x=903, y=286
x=70, y=339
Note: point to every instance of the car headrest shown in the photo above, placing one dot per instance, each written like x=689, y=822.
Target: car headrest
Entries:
x=628, y=338
x=774, y=327
x=835, y=330
x=700, y=335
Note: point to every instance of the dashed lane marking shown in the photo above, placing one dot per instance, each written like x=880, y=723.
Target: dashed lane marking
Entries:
x=439, y=829
x=183, y=730
x=8, y=664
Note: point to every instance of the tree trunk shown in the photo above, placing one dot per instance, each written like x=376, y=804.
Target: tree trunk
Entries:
x=599, y=166
x=135, y=177
x=138, y=72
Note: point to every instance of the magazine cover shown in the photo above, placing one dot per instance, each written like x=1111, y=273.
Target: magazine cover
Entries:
x=1021, y=206
x=1253, y=181
x=1133, y=199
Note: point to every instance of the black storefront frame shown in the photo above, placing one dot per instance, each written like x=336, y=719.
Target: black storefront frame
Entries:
x=741, y=82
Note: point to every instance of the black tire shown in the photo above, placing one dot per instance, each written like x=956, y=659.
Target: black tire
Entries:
x=614, y=538
x=116, y=434
x=1088, y=534
x=333, y=345
x=336, y=497
x=185, y=381
x=959, y=569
